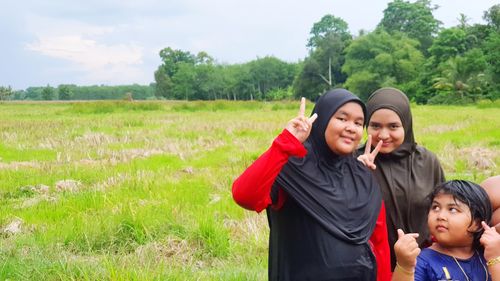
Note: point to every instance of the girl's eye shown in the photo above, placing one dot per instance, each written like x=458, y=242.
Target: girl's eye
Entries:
x=453, y=210
x=394, y=127
x=359, y=124
x=373, y=126
x=341, y=118
x=435, y=208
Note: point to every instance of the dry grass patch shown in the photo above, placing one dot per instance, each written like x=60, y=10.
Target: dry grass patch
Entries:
x=68, y=185
x=440, y=128
x=253, y=227
x=477, y=158
x=112, y=181
x=31, y=202
x=20, y=165
x=174, y=251
x=13, y=227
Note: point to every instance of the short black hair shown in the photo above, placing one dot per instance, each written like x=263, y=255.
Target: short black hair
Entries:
x=474, y=196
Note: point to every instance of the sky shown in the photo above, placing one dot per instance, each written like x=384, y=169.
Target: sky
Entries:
x=117, y=42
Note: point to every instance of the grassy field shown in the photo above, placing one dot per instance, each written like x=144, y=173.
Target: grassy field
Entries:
x=141, y=190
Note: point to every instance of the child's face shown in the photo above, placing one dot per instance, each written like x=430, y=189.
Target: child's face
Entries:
x=345, y=129
x=449, y=221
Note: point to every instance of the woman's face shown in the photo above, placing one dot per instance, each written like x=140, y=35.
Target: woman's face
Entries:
x=386, y=126
x=345, y=129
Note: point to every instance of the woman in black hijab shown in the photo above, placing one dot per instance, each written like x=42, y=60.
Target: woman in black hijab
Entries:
x=322, y=204
x=406, y=172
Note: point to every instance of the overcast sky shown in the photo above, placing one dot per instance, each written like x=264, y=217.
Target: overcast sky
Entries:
x=116, y=42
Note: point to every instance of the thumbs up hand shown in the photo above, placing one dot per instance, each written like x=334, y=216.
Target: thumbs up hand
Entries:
x=407, y=250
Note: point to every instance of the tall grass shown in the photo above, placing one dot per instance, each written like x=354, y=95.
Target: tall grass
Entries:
x=152, y=199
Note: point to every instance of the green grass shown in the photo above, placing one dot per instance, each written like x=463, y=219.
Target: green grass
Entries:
x=154, y=200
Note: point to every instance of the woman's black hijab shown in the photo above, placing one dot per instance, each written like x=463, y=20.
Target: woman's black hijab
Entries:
x=336, y=191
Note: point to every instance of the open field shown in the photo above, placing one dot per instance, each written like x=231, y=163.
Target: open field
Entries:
x=141, y=190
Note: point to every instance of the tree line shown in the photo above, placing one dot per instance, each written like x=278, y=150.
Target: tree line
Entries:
x=74, y=92
x=408, y=50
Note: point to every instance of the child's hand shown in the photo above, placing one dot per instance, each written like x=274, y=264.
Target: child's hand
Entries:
x=491, y=242
x=407, y=250
x=301, y=126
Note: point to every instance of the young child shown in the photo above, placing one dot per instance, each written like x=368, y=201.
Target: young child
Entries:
x=465, y=247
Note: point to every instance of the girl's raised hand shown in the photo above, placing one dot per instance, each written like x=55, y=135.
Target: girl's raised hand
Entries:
x=491, y=242
x=368, y=158
x=301, y=126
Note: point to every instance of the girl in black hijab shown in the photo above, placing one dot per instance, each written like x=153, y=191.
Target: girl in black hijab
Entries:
x=406, y=172
x=322, y=204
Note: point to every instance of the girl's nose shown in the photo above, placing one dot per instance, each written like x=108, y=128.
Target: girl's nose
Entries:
x=383, y=134
x=350, y=127
x=441, y=216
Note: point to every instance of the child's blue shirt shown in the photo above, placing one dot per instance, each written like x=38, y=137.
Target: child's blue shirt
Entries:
x=433, y=266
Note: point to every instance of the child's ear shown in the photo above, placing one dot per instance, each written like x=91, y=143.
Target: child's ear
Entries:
x=475, y=226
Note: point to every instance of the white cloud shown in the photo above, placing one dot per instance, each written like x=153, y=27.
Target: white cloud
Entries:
x=87, y=53
x=88, y=49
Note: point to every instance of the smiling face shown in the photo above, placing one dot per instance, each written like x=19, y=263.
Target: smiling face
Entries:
x=449, y=221
x=386, y=126
x=345, y=129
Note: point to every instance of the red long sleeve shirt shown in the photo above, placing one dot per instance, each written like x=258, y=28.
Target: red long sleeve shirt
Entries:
x=252, y=191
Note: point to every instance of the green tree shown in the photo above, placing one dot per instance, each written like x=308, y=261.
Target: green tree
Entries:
x=451, y=86
x=184, y=82
x=19, y=95
x=492, y=16
x=328, y=25
x=492, y=56
x=449, y=43
x=322, y=70
x=64, y=92
x=5, y=92
x=461, y=79
x=461, y=66
x=380, y=59
x=270, y=73
x=48, y=93
x=239, y=82
x=414, y=19
x=308, y=82
x=172, y=58
x=171, y=62
x=163, y=85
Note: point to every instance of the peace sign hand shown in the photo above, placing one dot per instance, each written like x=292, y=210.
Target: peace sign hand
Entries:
x=368, y=158
x=300, y=126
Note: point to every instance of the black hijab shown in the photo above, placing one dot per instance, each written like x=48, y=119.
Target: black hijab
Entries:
x=406, y=175
x=336, y=191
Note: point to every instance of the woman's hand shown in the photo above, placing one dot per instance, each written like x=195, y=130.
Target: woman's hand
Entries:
x=301, y=126
x=368, y=158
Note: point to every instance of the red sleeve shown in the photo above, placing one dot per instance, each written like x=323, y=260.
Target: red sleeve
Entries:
x=380, y=246
x=251, y=190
